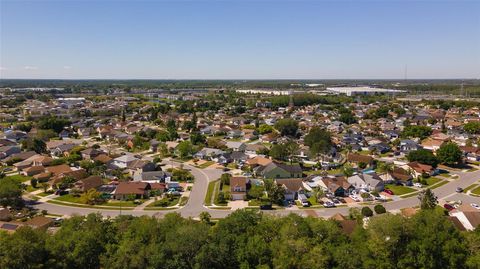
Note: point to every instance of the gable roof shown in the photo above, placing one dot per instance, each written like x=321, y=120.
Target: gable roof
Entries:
x=132, y=187
x=358, y=158
x=291, y=184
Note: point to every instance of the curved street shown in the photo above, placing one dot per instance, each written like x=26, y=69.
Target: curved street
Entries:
x=195, y=204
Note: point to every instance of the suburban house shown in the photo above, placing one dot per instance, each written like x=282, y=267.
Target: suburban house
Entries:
x=400, y=175
x=90, y=153
x=420, y=169
x=208, y=153
x=236, y=146
x=292, y=186
x=258, y=161
x=124, y=161
x=337, y=186
x=91, y=182
x=357, y=159
x=432, y=144
x=238, y=188
x=408, y=145
x=154, y=176
x=135, y=189
x=9, y=150
x=367, y=181
x=279, y=170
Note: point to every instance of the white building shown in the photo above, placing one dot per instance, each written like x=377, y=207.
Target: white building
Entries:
x=349, y=91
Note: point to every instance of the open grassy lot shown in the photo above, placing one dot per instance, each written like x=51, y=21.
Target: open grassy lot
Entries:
x=476, y=191
x=210, y=191
x=165, y=202
x=20, y=178
x=399, y=190
x=432, y=180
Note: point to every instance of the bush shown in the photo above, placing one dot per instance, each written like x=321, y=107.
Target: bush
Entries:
x=380, y=209
x=367, y=212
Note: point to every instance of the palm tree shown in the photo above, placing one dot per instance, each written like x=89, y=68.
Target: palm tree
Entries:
x=386, y=168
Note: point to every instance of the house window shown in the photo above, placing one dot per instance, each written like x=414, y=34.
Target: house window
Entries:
x=237, y=189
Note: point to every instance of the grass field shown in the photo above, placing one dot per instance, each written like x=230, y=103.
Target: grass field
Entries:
x=210, y=191
x=432, y=180
x=205, y=164
x=399, y=190
x=20, y=178
x=476, y=191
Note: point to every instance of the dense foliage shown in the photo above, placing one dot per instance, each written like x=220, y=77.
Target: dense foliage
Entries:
x=418, y=131
x=424, y=156
x=449, y=154
x=243, y=240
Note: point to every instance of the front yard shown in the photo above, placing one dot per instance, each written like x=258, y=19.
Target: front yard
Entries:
x=399, y=190
x=476, y=191
x=20, y=178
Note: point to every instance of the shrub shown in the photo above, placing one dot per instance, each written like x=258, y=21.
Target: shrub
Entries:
x=380, y=209
x=367, y=212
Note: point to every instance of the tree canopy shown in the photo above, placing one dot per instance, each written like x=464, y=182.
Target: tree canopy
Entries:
x=424, y=156
x=287, y=127
x=244, y=239
x=449, y=154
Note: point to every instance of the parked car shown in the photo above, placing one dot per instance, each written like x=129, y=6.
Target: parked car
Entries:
x=418, y=185
x=266, y=207
x=448, y=207
x=61, y=192
x=355, y=198
x=459, y=189
x=388, y=191
x=328, y=204
x=476, y=206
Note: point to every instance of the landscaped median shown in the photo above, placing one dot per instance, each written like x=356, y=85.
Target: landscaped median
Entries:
x=476, y=191
x=56, y=202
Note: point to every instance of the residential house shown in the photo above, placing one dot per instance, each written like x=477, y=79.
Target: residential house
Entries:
x=151, y=176
x=408, y=145
x=432, y=144
x=132, y=189
x=236, y=146
x=91, y=182
x=400, y=175
x=420, y=169
x=238, y=188
x=208, y=153
x=367, y=181
x=9, y=150
x=90, y=153
x=124, y=161
x=258, y=161
x=279, y=170
x=338, y=186
x=292, y=186
x=357, y=159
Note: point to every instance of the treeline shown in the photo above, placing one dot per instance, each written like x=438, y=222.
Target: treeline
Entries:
x=243, y=240
x=303, y=99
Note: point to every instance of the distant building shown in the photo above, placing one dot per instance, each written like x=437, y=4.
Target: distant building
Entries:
x=349, y=91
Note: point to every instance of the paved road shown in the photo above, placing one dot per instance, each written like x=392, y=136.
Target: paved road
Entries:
x=195, y=205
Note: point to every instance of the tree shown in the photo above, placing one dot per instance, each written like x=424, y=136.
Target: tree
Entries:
x=34, y=144
x=287, y=127
x=472, y=127
x=276, y=194
x=347, y=118
x=10, y=192
x=33, y=182
x=255, y=191
x=265, y=129
x=319, y=141
x=52, y=123
x=91, y=197
x=348, y=170
x=379, y=209
x=423, y=156
x=225, y=178
x=366, y=211
x=205, y=217
x=419, y=131
x=449, y=154
x=386, y=167
x=185, y=149
x=427, y=198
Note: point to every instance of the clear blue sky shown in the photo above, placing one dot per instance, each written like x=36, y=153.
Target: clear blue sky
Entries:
x=239, y=39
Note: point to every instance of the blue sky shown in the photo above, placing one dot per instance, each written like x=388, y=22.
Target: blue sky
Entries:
x=239, y=39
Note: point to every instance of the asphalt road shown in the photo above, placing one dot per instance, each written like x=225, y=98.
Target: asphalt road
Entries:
x=195, y=204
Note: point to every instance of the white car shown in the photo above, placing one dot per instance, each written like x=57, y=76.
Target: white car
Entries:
x=476, y=206
x=418, y=185
x=355, y=198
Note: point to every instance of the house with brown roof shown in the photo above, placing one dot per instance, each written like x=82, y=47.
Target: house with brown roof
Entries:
x=357, y=159
x=468, y=216
x=258, y=160
x=401, y=175
x=33, y=170
x=135, y=189
x=91, y=182
x=420, y=169
x=432, y=144
x=39, y=222
x=338, y=186
x=238, y=188
x=292, y=186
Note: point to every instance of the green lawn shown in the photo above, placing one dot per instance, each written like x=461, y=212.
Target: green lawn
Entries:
x=254, y=202
x=68, y=198
x=313, y=200
x=43, y=194
x=399, y=190
x=432, y=180
x=30, y=188
x=225, y=188
x=476, y=191
x=165, y=202
x=20, y=178
x=205, y=164
x=210, y=191
x=183, y=201
x=439, y=184
x=470, y=187
x=120, y=203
